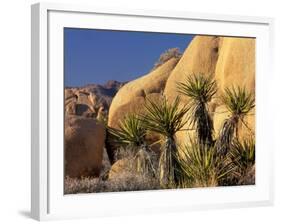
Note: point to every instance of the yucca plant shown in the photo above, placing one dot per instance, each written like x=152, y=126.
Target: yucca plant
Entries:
x=199, y=166
x=239, y=102
x=200, y=89
x=242, y=153
x=131, y=134
x=165, y=119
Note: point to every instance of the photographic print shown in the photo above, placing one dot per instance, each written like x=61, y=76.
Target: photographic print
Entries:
x=151, y=111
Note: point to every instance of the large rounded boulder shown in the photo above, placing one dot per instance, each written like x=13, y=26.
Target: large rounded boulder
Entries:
x=84, y=143
x=230, y=61
x=235, y=67
x=130, y=98
x=199, y=58
x=236, y=63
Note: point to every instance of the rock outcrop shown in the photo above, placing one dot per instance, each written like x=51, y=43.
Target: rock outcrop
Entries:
x=235, y=67
x=200, y=57
x=130, y=98
x=84, y=143
x=230, y=61
x=91, y=100
x=236, y=63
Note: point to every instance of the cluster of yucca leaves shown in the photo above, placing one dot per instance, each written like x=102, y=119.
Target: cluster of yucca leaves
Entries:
x=131, y=133
x=201, y=167
x=242, y=154
x=200, y=89
x=205, y=161
x=165, y=119
x=239, y=103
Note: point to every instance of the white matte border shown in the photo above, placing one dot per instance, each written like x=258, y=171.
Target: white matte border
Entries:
x=56, y=205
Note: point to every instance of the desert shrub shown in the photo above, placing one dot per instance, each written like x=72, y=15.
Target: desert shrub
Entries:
x=140, y=160
x=125, y=152
x=200, y=166
x=239, y=103
x=242, y=153
x=249, y=178
x=131, y=134
x=145, y=161
x=165, y=119
x=167, y=55
x=200, y=89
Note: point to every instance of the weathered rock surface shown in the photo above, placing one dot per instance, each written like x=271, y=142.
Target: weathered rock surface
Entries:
x=236, y=63
x=119, y=167
x=130, y=98
x=231, y=61
x=91, y=100
x=84, y=143
x=200, y=57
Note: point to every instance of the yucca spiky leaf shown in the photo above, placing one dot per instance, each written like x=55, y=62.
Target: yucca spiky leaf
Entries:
x=242, y=154
x=130, y=132
x=164, y=118
x=238, y=100
x=200, y=89
x=200, y=166
x=239, y=103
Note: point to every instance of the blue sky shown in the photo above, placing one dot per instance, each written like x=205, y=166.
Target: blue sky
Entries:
x=96, y=56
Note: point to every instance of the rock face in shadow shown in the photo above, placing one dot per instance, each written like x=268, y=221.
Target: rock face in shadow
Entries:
x=230, y=61
x=84, y=143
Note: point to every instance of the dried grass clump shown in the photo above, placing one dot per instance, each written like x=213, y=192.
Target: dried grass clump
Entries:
x=126, y=152
x=126, y=181
x=140, y=160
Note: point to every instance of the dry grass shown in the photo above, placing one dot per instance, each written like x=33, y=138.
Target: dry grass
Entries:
x=126, y=181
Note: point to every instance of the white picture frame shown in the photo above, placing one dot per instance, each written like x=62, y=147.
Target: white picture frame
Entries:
x=48, y=201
